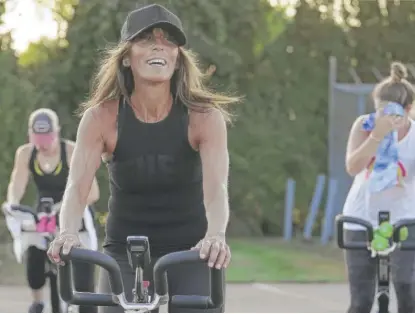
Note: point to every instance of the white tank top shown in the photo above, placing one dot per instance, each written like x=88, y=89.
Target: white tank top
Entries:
x=399, y=200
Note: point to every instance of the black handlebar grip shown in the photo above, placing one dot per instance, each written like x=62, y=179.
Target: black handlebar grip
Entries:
x=25, y=209
x=341, y=220
x=85, y=298
x=65, y=282
x=216, y=298
x=67, y=293
x=192, y=302
x=404, y=245
x=100, y=259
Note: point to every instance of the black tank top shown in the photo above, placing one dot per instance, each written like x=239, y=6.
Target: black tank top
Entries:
x=51, y=184
x=156, y=187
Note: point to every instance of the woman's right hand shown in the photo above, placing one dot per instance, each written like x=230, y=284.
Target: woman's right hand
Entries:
x=64, y=242
x=385, y=124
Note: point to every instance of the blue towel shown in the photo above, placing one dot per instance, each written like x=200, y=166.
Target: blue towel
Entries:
x=384, y=174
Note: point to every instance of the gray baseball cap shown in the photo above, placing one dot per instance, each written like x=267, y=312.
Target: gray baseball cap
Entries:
x=151, y=16
x=42, y=124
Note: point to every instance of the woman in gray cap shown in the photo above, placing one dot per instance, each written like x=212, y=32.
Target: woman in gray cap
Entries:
x=163, y=136
x=46, y=159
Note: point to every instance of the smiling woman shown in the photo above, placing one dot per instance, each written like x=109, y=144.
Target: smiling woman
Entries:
x=28, y=21
x=163, y=134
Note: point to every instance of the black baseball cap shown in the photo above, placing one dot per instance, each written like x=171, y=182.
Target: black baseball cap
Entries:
x=151, y=16
x=42, y=124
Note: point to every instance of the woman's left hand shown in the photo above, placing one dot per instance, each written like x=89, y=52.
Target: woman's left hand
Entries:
x=215, y=249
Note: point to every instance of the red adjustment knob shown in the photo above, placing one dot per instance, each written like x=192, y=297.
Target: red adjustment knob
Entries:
x=146, y=284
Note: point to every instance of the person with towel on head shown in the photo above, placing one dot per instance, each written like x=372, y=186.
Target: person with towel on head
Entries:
x=381, y=158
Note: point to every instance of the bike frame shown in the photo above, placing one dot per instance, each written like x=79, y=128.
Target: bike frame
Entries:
x=383, y=273
x=382, y=258
x=138, y=252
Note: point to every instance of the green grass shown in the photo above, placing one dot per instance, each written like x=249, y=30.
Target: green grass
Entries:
x=253, y=260
x=273, y=260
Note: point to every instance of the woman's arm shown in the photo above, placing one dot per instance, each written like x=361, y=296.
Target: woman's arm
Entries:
x=20, y=175
x=360, y=148
x=212, y=144
x=213, y=148
x=93, y=195
x=85, y=161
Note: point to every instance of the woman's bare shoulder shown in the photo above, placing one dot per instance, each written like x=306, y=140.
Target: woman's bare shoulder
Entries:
x=103, y=112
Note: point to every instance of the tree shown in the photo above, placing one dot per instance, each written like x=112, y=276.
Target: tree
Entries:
x=17, y=98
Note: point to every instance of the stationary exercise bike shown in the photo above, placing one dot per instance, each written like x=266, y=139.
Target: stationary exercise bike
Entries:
x=382, y=257
x=31, y=221
x=138, y=250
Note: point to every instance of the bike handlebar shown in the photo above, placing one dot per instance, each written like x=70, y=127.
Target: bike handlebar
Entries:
x=405, y=245
x=214, y=301
x=365, y=245
x=341, y=220
x=66, y=286
x=71, y=296
x=22, y=212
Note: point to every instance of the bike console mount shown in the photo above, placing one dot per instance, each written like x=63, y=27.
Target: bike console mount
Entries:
x=138, y=251
x=45, y=205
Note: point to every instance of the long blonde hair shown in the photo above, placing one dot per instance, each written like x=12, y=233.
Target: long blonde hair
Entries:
x=113, y=81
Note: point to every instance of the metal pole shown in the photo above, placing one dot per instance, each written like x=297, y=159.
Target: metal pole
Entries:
x=331, y=104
